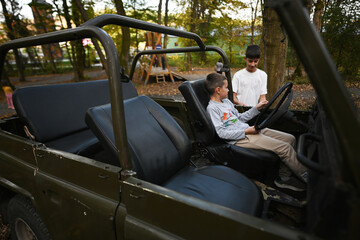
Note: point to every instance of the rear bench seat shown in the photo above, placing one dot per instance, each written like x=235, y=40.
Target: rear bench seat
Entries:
x=54, y=114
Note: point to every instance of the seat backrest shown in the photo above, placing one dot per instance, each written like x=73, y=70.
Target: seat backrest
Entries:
x=197, y=98
x=54, y=111
x=158, y=145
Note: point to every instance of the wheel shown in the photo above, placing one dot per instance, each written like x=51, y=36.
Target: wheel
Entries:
x=25, y=222
x=280, y=109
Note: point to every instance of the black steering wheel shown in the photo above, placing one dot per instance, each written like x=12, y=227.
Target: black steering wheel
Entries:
x=280, y=109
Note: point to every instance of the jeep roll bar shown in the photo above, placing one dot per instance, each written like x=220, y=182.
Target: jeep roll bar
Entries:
x=333, y=95
x=221, y=52
x=117, y=105
x=119, y=20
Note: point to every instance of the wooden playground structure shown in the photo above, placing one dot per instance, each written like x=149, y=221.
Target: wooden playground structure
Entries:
x=156, y=64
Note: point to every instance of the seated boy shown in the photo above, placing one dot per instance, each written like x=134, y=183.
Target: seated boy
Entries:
x=231, y=126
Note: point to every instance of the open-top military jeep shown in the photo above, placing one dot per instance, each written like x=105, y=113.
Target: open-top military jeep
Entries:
x=93, y=160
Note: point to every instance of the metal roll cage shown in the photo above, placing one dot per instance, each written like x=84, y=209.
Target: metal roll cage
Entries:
x=92, y=29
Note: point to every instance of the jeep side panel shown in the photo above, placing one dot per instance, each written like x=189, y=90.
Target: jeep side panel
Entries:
x=73, y=191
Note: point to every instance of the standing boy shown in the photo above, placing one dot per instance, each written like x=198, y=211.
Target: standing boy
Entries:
x=250, y=84
x=231, y=126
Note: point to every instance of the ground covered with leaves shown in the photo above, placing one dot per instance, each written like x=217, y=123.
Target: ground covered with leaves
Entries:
x=304, y=94
x=4, y=231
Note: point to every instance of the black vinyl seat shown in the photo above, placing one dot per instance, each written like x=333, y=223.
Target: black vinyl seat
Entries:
x=258, y=164
x=54, y=114
x=161, y=150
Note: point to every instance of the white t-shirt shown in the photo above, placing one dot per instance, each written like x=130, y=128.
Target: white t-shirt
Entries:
x=249, y=86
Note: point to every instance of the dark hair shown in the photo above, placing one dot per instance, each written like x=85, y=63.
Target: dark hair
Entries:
x=253, y=51
x=214, y=80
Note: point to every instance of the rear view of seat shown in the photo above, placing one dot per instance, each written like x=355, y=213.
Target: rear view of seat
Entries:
x=161, y=150
x=54, y=114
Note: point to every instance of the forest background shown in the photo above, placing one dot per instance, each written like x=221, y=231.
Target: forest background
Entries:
x=229, y=24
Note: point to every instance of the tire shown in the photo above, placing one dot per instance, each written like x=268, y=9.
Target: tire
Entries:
x=25, y=222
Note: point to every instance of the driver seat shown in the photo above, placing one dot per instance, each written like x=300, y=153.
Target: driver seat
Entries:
x=257, y=164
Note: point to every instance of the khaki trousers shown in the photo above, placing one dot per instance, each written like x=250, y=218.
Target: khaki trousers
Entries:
x=281, y=143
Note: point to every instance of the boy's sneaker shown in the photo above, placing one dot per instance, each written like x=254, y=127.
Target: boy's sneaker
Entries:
x=291, y=183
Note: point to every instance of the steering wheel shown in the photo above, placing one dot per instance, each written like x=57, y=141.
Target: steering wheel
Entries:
x=279, y=110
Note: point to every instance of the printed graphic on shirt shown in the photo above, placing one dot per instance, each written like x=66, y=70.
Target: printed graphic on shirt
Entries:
x=227, y=118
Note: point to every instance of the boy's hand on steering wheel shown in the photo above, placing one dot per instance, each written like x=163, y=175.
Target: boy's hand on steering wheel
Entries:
x=261, y=104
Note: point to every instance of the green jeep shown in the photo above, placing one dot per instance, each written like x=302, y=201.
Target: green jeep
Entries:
x=93, y=160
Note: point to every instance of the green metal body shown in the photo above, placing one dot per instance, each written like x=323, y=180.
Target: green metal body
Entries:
x=80, y=198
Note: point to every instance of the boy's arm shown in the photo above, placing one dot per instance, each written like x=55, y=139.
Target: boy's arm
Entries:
x=236, y=101
x=249, y=114
x=262, y=97
x=235, y=83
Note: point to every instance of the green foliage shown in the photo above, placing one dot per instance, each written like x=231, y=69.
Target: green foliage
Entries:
x=341, y=33
x=233, y=36
x=180, y=61
x=216, y=23
x=137, y=10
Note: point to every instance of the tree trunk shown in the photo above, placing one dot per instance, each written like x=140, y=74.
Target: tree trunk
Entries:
x=46, y=47
x=68, y=22
x=309, y=5
x=274, y=51
x=80, y=59
x=72, y=56
x=253, y=16
x=85, y=17
x=125, y=42
x=194, y=16
x=189, y=60
x=159, y=12
x=166, y=21
x=318, y=12
x=78, y=49
x=33, y=58
x=18, y=58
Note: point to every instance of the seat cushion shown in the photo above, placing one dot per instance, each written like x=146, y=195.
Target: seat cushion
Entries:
x=84, y=143
x=256, y=164
x=220, y=185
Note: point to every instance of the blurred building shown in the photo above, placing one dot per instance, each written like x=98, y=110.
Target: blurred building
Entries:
x=44, y=22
